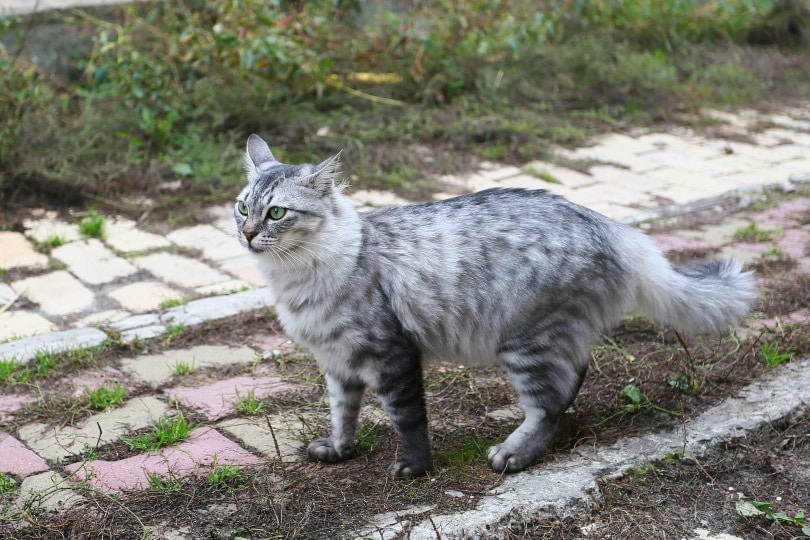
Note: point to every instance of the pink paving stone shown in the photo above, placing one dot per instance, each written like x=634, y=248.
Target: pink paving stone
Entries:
x=753, y=247
x=803, y=266
x=794, y=243
x=674, y=242
x=802, y=315
x=91, y=380
x=204, y=448
x=17, y=459
x=11, y=403
x=786, y=215
x=267, y=342
x=219, y=399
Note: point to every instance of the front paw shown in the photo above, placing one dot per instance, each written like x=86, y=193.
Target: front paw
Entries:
x=503, y=459
x=324, y=450
x=405, y=470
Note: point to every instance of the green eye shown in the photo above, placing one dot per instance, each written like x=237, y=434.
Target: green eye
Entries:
x=242, y=208
x=276, y=213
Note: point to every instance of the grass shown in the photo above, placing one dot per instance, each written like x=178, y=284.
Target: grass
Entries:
x=518, y=79
x=92, y=226
x=461, y=452
x=774, y=355
x=171, y=303
x=756, y=234
x=166, y=432
x=250, y=405
x=7, y=483
x=44, y=363
x=172, y=333
x=368, y=436
x=225, y=478
x=166, y=486
x=104, y=397
x=182, y=368
x=12, y=372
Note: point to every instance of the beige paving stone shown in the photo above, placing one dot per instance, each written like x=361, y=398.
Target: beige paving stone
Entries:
x=604, y=192
x=49, y=227
x=57, y=293
x=717, y=234
x=144, y=296
x=288, y=432
x=123, y=235
x=47, y=491
x=626, y=178
x=221, y=217
x=781, y=135
x=373, y=198
x=6, y=294
x=527, y=181
x=17, y=252
x=212, y=242
x=55, y=442
x=743, y=118
x=622, y=214
x=179, y=270
x=102, y=318
x=565, y=176
x=245, y=268
x=156, y=369
x=496, y=171
x=765, y=154
x=18, y=324
x=226, y=287
x=93, y=263
x=692, y=146
x=667, y=158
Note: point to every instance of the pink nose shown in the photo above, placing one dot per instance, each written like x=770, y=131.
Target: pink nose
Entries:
x=249, y=235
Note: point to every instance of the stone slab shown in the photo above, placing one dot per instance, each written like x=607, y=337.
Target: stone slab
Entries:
x=21, y=323
x=245, y=268
x=372, y=198
x=179, y=270
x=102, y=318
x=220, y=399
x=93, y=263
x=11, y=403
x=204, y=449
x=23, y=350
x=50, y=227
x=17, y=252
x=156, y=369
x=48, y=491
x=143, y=333
x=144, y=296
x=17, y=459
x=287, y=432
x=53, y=442
x=124, y=236
x=565, y=176
x=214, y=244
x=218, y=307
x=226, y=287
x=57, y=293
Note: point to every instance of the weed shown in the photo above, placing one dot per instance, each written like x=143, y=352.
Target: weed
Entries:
x=105, y=397
x=633, y=398
x=171, y=303
x=368, y=436
x=773, y=354
x=250, y=405
x=776, y=254
x=54, y=240
x=7, y=483
x=173, y=332
x=166, y=432
x=167, y=485
x=759, y=508
x=225, y=478
x=3, y=272
x=92, y=225
x=461, y=452
x=44, y=363
x=688, y=385
x=754, y=233
x=543, y=175
x=182, y=368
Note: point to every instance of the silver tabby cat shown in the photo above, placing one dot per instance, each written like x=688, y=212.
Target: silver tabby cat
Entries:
x=524, y=278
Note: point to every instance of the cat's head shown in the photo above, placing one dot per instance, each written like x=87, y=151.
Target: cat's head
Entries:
x=283, y=207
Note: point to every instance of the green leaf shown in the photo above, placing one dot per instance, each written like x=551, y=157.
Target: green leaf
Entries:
x=182, y=169
x=764, y=506
x=806, y=530
x=748, y=509
x=632, y=393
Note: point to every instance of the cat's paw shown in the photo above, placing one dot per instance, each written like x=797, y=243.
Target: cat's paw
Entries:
x=405, y=470
x=324, y=450
x=503, y=459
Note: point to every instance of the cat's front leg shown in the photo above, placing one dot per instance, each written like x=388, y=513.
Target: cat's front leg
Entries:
x=345, y=398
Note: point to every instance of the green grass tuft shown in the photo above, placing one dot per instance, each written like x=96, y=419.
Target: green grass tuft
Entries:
x=166, y=432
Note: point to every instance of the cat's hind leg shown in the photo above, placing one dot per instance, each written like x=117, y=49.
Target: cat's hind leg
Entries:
x=345, y=399
x=547, y=373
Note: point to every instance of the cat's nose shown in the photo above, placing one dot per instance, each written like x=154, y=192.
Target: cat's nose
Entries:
x=249, y=235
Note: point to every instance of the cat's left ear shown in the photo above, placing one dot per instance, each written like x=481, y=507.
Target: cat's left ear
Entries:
x=324, y=176
x=258, y=154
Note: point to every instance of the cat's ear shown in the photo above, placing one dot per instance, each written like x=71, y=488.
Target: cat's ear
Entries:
x=258, y=154
x=323, y=179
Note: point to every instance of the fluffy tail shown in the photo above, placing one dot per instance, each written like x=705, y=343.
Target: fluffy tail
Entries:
x=701, y=297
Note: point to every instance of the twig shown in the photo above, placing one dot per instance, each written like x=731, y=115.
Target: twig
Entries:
x=275, y=442
x=12, y=300
x=435, y=528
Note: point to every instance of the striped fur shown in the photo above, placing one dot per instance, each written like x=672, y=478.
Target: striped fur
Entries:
x=524, y=278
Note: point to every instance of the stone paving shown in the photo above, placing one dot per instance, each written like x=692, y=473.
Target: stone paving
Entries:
x=132, y=284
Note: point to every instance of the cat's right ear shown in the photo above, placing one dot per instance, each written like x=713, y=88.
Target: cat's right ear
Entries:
x=258, y=154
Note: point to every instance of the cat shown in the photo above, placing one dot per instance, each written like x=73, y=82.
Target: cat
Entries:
x=524, y=278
